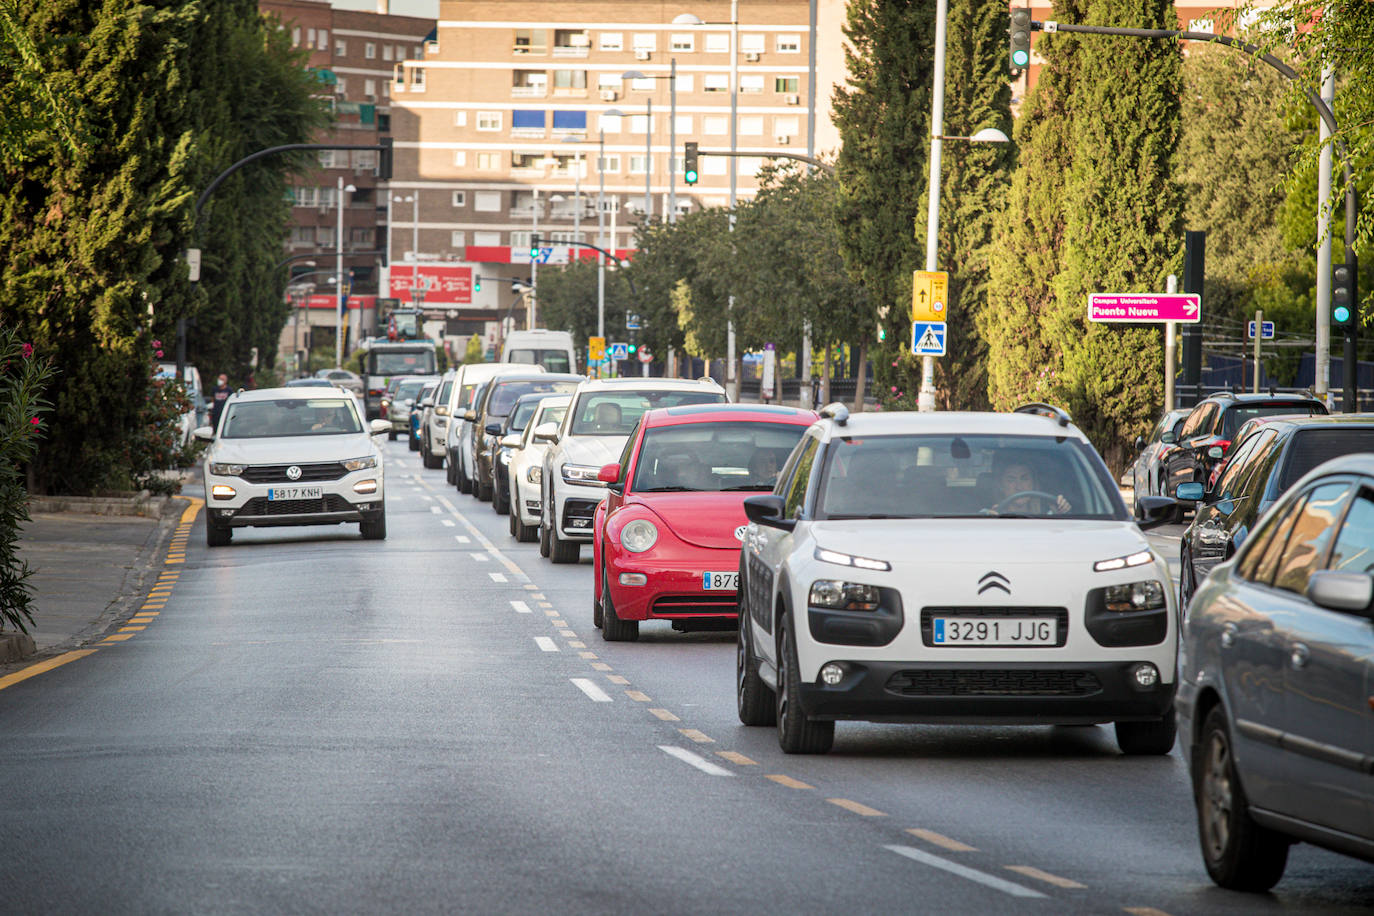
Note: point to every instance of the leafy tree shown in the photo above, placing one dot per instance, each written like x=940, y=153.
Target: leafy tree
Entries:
x=567, y=300
x=32, y=110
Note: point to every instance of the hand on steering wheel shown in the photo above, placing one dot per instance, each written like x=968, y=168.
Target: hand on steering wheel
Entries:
x=1050, y=498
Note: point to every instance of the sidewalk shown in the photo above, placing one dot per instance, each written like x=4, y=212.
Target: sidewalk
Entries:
x=89, y=569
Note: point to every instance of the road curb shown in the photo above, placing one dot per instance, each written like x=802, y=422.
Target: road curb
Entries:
x=16, y=647
x=144, y=504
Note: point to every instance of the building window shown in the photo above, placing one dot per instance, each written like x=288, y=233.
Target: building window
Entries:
x=646, y=41
x=486, y=239
x=563, y=237
x=340, y=48
x=531, y=41
x=717, y=42
x=460, y=198
x=531, y=84
x=417, y=52
x=324, y=236
x=488, y=161
x=487, y=201
x=370, y=88
x=322, y=40
x=570, y=42
x=488, y=120
x=610, y=204
x=748, y=165
x=789, y=84
x=787, y=127
x=527, y=160
x=364, y=159
x=715, y=124
x=305, y=197
x=386, y=52
x=296, y=37
x=639, y=165
x=522, y=238
x=789, y=44
x=751, y=82
x=639, y=124
x=715, y=82
x=610, y=164
x=643, y=85
x=370, y=50
x=609, y=123
x=361, y=235
x=341, y=86
x=686, y=82
x=751, y=44
x=460, y=158
x=612, y=41
x=458, y=238
x=417, y=79
x=386, y=94
x=683, y=124
x=302, y=235
x=326, y=158
x=460, y=119
x=572, y=121
x=714, y=165
x=683, y=41
x=751, y=125
x=570, y=79
x=607, y=80
x=310, y=38
x=527, y=122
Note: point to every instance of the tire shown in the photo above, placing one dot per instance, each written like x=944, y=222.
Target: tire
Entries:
x=450, y=475
x=544, y=546
x=796, y=733
x=1154, y=738
x=462, y=482
x=598, y=615
x=613, y=629
x=561, y=551
x=511, y=522
x=391, y=436
x=412, y=442
x=430, y=460
x=500, y=500
x=1187, y=581
x=754, y=702
x=483, y=489
x=374, y=530
x=217, y=535
x=1239, y=854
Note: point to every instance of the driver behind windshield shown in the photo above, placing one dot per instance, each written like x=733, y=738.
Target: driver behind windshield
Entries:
x=1014, y=478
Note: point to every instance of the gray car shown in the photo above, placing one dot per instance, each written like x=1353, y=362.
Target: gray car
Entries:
x=1276, y=675
x=400, y=397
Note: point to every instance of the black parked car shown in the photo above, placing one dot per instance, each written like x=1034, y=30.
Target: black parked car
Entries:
x=1265, y=464
x=1274, y=681
x=1208, y=432
x=490, y=408
x=516, y=421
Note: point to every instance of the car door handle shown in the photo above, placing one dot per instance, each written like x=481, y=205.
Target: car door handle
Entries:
x=1228, y=636
x=1298, y=659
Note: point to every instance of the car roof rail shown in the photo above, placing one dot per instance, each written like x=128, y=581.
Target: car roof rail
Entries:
x=1048, y=411
x=837, y=412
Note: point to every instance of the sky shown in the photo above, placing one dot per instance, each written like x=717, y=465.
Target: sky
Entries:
x=428, y=9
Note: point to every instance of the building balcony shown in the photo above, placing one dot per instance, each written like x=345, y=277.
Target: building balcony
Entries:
x=536, y=133
x=570, y=51
x=528, y=92
x=564, y=92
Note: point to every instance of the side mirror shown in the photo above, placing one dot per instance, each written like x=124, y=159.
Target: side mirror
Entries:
x=1169, y=438
x=441, y=411
x=1139, y=443
x=1215, y=452
x=1158, y=510
x=546, y=432
x=469, y=415
x=408, y=402
x=511, y=441
x=426, y=403
x=493, y=429
x=1341, y=591
x=767, y=509
x=1192, y=491
x=204, y=433
x=378, y=427
x=609, y=473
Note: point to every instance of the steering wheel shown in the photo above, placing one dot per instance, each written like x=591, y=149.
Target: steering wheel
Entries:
x=1049, y=497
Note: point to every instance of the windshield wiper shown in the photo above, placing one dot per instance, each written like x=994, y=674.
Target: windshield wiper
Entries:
x=759, y=487
x=667, y=490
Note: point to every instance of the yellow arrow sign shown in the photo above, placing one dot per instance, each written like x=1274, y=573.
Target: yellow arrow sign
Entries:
x=929, y=295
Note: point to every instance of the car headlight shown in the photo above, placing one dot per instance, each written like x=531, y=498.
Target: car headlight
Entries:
x=583, y=474
x=844, y=596
x=357, y=464
x=639, y=535
x=1134, y=596
x=1135, y=559
x=534, y=474
x=844, y=559
x=227, y=470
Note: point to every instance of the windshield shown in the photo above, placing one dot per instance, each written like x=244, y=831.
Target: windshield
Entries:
x=615, y=413
x=507, y=393
x=1235, y=417
x=553, y=415
x=290, y=417
x=552, y=360
x=965, y=477
x=712, y=457
x=408, y=390
x=401, y=362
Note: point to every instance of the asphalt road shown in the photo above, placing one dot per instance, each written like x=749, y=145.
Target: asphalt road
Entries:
x=315, y=723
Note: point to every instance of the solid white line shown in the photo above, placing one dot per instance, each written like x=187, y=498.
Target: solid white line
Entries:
x=545, y=643
x=520, y=607
x=447, y=522
x=963, y=871
x=497, y=577
x=700, y=763
x=593, y=692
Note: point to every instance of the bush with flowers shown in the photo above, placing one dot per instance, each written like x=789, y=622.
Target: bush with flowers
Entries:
x=156, y=442
x=23, y=378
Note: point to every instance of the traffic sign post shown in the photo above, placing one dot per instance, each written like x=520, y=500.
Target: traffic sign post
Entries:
x=619, y=351
x=928, y=338
x=929, y=296
x=596, y=349
x=631, y=321
x=1144, y=308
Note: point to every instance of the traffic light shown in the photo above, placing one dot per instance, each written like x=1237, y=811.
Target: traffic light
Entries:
x=689, y=163
x=1020, y=39
x=477, y=283
x=1342, y=296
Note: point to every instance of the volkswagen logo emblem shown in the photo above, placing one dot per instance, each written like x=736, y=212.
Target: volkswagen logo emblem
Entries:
x=293, y=472
x=739, y=532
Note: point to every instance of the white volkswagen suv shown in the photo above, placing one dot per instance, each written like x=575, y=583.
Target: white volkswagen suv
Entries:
x=972, y=568
x=293, y=456
x=593, y=433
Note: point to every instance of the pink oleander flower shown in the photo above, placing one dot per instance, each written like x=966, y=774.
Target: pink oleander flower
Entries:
x=157, y=343
x=35, y=421
x=158, y=354
x=26, y=350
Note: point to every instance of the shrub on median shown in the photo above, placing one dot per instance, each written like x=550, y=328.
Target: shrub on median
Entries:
x=23, y=377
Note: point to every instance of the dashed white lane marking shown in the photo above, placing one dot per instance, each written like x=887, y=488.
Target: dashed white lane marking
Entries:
x=497, y=577
x=546, y=644
x=447, y=522
x=462, y=539
x=426, y=497
x=480, y=557
x=963, y=871
x=593, y=692
x=701, y=763
x=520, y=607
x=435, y=509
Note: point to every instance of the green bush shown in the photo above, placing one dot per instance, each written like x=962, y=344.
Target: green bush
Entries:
x=23, y=378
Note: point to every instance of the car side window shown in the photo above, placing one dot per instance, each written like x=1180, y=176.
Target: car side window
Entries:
x=1311, y=533
x=630, y=442
x=1354, y=550
x=1190, y=426
x=796, y=491
x=1236, y=466
x=1217, y=421
x=1263, y=550
x=1253, y=479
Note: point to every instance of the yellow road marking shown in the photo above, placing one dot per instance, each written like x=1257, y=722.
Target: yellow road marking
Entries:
x=637, y=696
x=24, y=674
x=788, y=781
x=857, y=808
x=552, y=613
x=617, y=679
x=694, y=735
x=569, y=634
x=665, y=715
x=118, y=637
x=600, y=666
x=131, y=629
x=531, y=587
x=1037, y=874
x=545, y=604
x=586, y=655
x=736, y=757
x=170, y=560
x=574, y=644
x=163, y=590
x=558, y=622
x=189, y=514
x=148, y=607
x=939, y=839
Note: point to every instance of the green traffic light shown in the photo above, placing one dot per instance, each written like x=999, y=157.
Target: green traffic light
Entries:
x=632, y=348
x=478, y=285
x=1020, y=58
x=1341, y=314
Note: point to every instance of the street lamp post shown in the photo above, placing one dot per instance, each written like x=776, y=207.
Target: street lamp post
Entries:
x=672, y=128
x=338, y=272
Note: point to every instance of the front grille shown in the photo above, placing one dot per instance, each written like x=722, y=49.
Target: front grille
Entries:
x=332, y=502
x=276, y=473
x=690, y=604
x=578, y=514
x=1017, y=682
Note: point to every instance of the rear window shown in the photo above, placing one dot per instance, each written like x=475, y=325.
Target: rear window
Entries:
x=403, y=362
x=615, y=413
x=507, y=393
x=1235, y=417
x=1311, y=447
x=552, y=360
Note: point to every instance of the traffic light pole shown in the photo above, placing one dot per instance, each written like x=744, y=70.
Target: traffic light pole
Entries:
x=1350, y=401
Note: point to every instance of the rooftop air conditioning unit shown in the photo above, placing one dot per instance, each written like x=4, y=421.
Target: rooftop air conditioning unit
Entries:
x=783, y=139
x=752, y=56
x=641, y=55
x=793, y=99
x=609, y=95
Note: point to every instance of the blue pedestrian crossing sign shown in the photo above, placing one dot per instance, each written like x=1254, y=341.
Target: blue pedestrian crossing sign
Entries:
x=618, y=351
x=928, y=338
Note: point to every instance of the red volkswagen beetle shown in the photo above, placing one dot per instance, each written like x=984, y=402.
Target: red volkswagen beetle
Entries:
x=667, y=535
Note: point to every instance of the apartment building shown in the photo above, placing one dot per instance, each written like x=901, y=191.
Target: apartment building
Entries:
x=352, y=55
x=500, y=130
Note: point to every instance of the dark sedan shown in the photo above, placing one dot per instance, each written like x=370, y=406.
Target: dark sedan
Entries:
x=1210, y=429
x=1274, y=691
x=489, y=411
x=1265, y=464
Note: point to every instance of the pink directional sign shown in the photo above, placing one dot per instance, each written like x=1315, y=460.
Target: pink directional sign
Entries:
x=1144, y=307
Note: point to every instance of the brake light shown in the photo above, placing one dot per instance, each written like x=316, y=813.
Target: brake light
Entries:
x=1223, y=444
x=376, y=391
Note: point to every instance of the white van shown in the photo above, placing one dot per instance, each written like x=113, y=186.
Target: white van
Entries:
x=551, y=349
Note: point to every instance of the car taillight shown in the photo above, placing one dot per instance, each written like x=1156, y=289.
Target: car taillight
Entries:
x=1223, y=444
x=375, y=392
